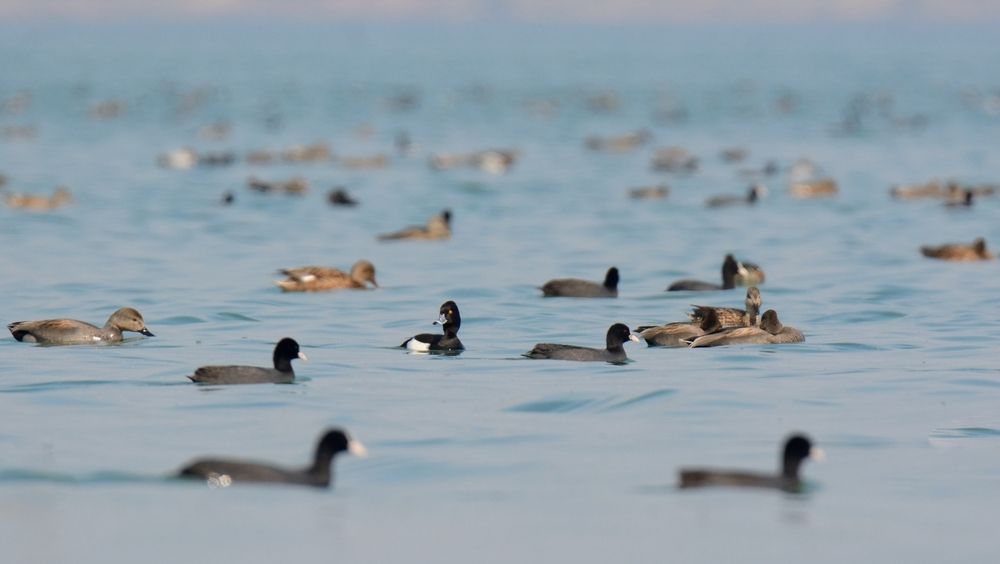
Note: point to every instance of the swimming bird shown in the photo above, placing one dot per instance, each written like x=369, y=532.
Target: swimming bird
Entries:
x=295, y=186
x=679, y=334
x=959, y=252
x=754, y=194
x=450, y=321
x=649, y=192
x=730, y=268
x=321, y=278
x=770, y=332
x=73, y=332
x=613, y=352
x=822, y=188
x=965, y=199
x=222, y=472
x=732, y=317
x=438, y=227
x=340, y=197
x=282, y=373
x=797, y=449
x=576, y=288
x=59, y=197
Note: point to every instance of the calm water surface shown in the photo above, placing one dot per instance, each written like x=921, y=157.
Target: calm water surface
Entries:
x=486, y=456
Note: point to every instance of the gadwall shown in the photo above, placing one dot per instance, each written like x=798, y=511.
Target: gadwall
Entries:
x=221, y=472
x=321, y=279
x=73, y=332
x=732, y=317
x=282, y=373
x=797, y=449
x=60, y=197
x=959, y=252
x=613, y=352
x=679, y=334
x=438, y=227
x=769, y=332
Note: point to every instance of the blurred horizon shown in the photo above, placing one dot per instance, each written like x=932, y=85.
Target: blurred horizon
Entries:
x=625, y=12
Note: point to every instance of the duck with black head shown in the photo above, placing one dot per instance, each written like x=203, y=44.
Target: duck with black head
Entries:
x=450, y=321
x=613, y=352
x=798, y=448
x=284, y=352
x=223, y=472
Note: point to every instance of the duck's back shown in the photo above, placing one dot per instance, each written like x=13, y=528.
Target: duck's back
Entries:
x=57, y=331
x=705, y=477
x=240, y=375
x=693, y=286
x=575, y=288
x=573, y=352
x=241, y=471
x=671, y=334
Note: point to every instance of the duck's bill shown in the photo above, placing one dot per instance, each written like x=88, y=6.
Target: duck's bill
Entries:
x=633, y=338
x=357, y=449
x=303, y=356
x=374, y=283
x=146, y=332
x=817, y=454
x=441, y=320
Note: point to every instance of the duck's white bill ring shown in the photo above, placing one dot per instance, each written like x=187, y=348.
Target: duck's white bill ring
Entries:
x=632, y=337
x=817, y=454
x=303, y=356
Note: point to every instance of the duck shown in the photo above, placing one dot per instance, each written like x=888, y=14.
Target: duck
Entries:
x=797, y=449
x=770, y=332
x=959, y=252
x=282, y=373
x=732, y=317
x=295, y=186
x=450, y=321
x=618, y=143
x=679, y=334
x=223, y=472
x=964, y=199
x=321, y=278
x=59, y=198
x=576, y=288
x=749, y=274
x=754, y=194
x=613, y=352
x=73, y=332
x=730, y=268
x=649, y=192
x=438, y=227
x=340, y=197
x=821, y=188
x=932, y=189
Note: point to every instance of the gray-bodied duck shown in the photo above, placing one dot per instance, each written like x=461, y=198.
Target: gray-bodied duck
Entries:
x=73, y=332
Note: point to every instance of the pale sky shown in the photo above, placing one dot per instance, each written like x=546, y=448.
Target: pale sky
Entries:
x=529, y=11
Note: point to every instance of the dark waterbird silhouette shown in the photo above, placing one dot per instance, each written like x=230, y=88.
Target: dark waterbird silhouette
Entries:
x=222, y=472
x=797, y=449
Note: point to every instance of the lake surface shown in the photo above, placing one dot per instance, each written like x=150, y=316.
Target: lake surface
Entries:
x=487, y=456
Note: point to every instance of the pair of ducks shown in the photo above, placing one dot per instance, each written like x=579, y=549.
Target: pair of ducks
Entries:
x=223, y=472
x=718, y=326
x=734, y=273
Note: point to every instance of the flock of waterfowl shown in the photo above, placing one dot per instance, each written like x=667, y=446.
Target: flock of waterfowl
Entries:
x=706, y=326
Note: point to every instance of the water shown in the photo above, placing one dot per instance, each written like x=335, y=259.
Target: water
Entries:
x=487, y=456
